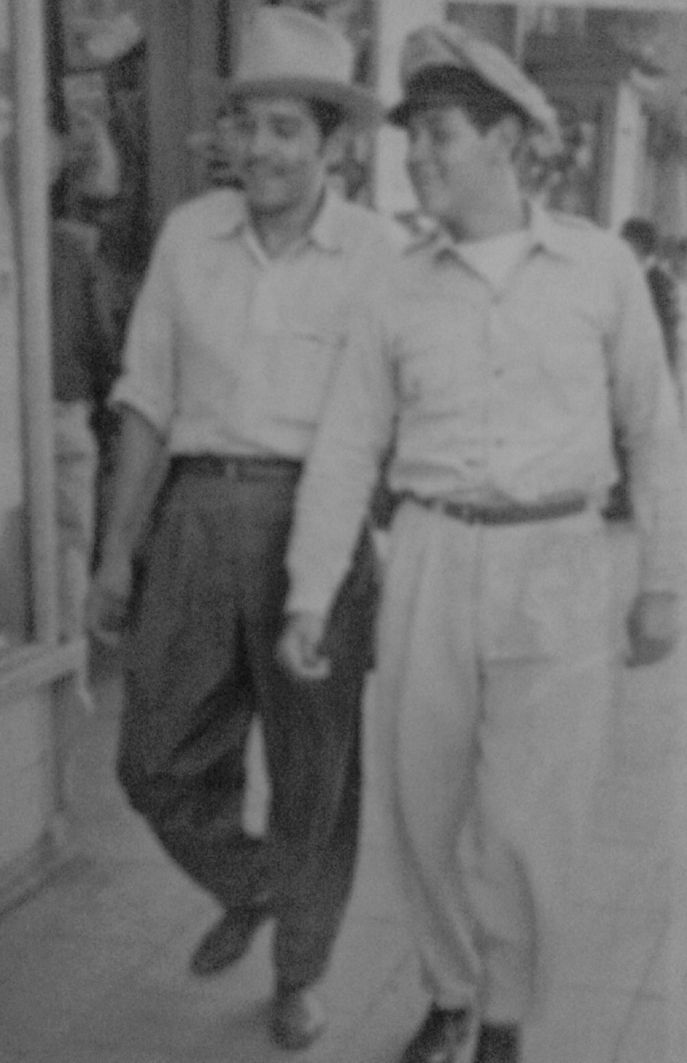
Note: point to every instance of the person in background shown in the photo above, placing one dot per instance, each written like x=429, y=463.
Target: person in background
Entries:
x=123, y=214
x=83, y=369
x=678, y=263
x=244, y=312
x=491, y=361
x=642, y=236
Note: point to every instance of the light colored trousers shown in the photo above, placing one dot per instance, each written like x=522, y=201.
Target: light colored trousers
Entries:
x=75, y=471
x=493, y=690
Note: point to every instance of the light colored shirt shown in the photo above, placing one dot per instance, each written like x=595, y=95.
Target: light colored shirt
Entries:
x=230, y=351
x=499, y=391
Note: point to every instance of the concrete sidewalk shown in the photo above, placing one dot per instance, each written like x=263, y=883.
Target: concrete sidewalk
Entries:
x=93, y=969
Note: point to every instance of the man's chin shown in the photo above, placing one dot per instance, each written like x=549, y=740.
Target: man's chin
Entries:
x=263, y=196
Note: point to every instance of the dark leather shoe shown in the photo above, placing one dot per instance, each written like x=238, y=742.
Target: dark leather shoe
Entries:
x=440, y=1038
x=298, y=1018
x=498, y=1043
x=227, y=941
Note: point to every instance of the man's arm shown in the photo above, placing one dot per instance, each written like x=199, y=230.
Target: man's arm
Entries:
x=145, y=395
x=334, y=493
x=141, y=463
x=646, y=411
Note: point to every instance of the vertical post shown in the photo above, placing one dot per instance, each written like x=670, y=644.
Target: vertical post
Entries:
x=203, y=47
x=223, y=38
x=168, y=30
x=54, y=58
x=32, y=247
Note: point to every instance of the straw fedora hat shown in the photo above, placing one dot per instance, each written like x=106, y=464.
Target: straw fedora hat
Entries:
x=286, y=51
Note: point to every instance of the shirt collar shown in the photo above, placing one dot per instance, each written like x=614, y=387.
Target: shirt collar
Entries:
x=548, y=233
x=231, y=220
x=543, y=230
x=327, y=230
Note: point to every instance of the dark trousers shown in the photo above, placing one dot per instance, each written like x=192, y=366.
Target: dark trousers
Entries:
x=200, y=662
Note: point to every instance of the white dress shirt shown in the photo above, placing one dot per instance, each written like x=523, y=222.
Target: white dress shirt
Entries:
x=230, y=351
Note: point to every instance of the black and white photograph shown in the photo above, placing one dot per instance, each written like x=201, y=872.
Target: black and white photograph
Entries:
x=343, y=531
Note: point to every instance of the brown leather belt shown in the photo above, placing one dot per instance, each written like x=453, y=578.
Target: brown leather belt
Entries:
x=239, y=467
x=509, y=513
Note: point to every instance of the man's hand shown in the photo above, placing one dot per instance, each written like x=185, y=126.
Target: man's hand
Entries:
x=108, y=598
x=652, y=627
x=299, y=646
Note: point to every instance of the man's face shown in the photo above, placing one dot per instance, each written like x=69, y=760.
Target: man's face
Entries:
x=449, y=161
x=280, y=153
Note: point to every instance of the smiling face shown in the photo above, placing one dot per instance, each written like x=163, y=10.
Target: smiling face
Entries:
x=281, y=155
x=459, y=171
x=450, y=162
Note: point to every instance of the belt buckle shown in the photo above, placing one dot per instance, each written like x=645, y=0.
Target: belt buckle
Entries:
x=465, y=512
x=442, y=505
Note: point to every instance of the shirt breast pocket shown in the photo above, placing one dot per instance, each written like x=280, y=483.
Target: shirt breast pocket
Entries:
x=304, y=362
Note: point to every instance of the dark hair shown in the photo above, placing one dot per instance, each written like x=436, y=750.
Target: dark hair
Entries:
x=642, y=234
x=328, y=116
x=438, y=86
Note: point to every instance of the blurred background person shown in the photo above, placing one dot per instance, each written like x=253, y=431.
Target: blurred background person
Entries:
x=642, y=236
x=83, y=371
x=678, y=262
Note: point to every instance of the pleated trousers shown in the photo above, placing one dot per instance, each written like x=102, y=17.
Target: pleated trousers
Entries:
x=492, y=698
x=200, y=663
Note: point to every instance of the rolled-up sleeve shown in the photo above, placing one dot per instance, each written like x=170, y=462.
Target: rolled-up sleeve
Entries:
x=147, y=380
x=342, y=468
x=645, y=409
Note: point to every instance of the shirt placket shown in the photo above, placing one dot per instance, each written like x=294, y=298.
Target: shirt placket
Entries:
x=498, y=401
x=262, y=328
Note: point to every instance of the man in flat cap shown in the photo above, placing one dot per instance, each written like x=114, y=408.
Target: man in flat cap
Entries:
x=243, y=315
x=503, y=347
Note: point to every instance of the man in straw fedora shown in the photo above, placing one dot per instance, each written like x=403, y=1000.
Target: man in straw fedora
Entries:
x=245, y=309
x=503, y=346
